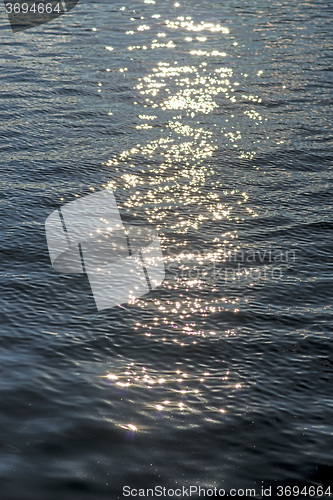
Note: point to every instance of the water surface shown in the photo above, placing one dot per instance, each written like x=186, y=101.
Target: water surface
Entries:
x=210, y=120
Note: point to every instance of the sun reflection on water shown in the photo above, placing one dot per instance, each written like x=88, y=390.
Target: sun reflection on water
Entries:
x=177, y=392
x=189, y=109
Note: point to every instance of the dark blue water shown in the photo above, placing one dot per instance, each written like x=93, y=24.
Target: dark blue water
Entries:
x=210, y=120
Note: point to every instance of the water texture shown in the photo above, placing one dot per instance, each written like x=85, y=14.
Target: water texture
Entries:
x=211, y=121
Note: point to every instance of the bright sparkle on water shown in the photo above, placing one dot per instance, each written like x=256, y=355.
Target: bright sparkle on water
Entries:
x=165, y=176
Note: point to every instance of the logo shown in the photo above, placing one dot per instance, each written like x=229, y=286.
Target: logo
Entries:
x=25, y=14
x=87, y=236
